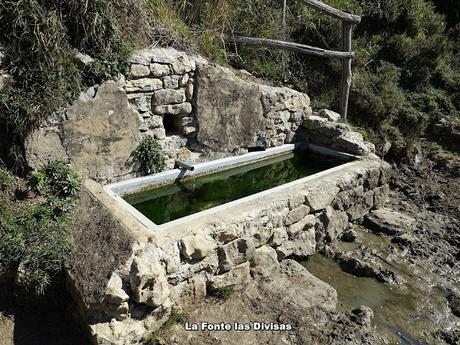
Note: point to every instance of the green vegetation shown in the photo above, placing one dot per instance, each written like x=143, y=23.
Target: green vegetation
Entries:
x=33, y=235
x=223, y=293
x=406, y=72
x=149, y=157
x=174, y=318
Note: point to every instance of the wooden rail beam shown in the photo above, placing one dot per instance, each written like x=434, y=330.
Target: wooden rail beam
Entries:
x=333, y=12
x=295, y=47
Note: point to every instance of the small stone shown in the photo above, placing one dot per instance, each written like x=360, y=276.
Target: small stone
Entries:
x=238, y=276
x=173, y=109
x=329, y=115
x=306, y=223
x=264, y=263
x=304, y=244
x=362, y=315
x=114, y=292
x=187, y=120
x=349, y=236
x=296, y=215
x=189, y=91
x=156, y=121
x=196, y=247
x=389, y=222
x=143, y=85
x=321, y=195
x=235, y=253
x=159, y=70
x=171, y=82
x=83, y=60
x=184, y=80
x=187, y=130
x=139, y=71
x=279, y=236
x=167, y=97
x=159, y=133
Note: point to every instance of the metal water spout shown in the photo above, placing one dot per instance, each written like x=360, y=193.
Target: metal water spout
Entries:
x=183, y=166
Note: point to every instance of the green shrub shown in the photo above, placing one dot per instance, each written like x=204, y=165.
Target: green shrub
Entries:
x=6, y=180
x=149, y=157
x=56, y=180
x=174, y=318
x=35, y=236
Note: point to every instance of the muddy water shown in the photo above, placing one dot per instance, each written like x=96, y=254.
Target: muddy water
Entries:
x=403, y=314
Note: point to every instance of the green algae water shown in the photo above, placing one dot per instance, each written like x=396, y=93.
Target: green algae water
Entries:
x=166, y=203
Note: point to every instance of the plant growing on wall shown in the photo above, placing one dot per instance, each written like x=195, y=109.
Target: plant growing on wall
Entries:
x=149, y=157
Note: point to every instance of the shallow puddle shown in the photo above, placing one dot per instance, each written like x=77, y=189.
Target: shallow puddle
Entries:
x=405, y=314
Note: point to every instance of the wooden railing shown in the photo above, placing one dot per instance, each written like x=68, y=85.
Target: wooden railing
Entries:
x=347, y=55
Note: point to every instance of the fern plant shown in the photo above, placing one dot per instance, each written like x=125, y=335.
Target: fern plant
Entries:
x=149, y=157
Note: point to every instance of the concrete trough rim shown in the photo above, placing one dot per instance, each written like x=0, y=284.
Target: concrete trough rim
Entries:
x=117, y=190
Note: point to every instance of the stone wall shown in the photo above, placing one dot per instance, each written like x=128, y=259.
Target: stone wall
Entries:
x=195, y=109
x=187, y=262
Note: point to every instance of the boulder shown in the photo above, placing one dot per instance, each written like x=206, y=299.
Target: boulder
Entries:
x=238, y=277
x=334, y=222
x=296, y=214
x=148, y=280
x=320, y=196
x=329, y=115
x=307, y=222
x=264, y=262
x=235, y=253
x=196, y=247
x=353, y=142
x=389, y=222
x=43, y=145
x=101, y=133
x=301, y=245
x=228, y=110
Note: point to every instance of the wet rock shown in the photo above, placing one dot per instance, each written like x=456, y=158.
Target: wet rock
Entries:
x=454, y=303
x=389, y=222
x=196, y=247
x=235, y=253
x=349, y=236
x=362, y=315
x=264, y=262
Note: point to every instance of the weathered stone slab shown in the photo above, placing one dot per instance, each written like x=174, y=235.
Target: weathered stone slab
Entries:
x=228, y=109
x=101, y=133
x=389, y=222
x=235, y=253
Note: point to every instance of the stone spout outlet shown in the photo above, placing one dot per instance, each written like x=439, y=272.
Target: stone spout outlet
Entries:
x=183, y=166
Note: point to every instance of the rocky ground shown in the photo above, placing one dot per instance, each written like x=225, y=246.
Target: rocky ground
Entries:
x=416, y=253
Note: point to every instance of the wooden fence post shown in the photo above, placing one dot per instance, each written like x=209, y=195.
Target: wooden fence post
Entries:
x=346, y=69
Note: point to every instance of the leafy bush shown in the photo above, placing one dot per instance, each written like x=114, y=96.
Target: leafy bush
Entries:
x=56, y=179
x=149, y=157
x=34, y=236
